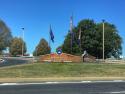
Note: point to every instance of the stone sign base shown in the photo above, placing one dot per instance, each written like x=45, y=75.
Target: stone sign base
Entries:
x=60, y=58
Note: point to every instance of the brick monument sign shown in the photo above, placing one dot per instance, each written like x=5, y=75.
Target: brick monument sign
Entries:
x=64, y=57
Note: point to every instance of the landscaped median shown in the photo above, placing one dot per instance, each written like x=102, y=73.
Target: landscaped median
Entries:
x=62, y=72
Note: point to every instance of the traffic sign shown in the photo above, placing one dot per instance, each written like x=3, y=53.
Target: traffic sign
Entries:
x=59, y=51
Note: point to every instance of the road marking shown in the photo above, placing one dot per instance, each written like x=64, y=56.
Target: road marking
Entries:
x=113, y=92
x=10, y=84
x=86, y=81
x=7, y=84
x=110, y=92
x=118, y=80
x=119, y=92
x=53, y=82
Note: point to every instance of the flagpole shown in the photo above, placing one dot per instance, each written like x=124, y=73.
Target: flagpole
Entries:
x=71, y=43
x=50, y=39
x=22, y=41
x=71, y=30
x=49, y=42
x=80, y=39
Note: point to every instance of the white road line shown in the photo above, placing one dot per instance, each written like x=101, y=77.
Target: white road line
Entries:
x=113, y=92
x=110, y=81
x=86, y=81
x=51, y=82
x=121, y=92
x=13, y=84
x=118, y=80
x=7, y=84
x=10, y=84
x=117, y=92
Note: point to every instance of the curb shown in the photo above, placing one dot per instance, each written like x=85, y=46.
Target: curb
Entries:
x=60, y=79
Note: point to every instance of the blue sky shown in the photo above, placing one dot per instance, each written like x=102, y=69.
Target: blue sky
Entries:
x=36, y=16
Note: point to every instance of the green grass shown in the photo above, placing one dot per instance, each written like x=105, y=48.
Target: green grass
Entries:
x=37, y=70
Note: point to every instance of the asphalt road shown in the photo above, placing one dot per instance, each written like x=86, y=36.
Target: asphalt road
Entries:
x=13, y=61
x=65, y=88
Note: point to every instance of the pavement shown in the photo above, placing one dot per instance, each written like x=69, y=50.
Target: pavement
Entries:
x=82, y=87
x=10, y=61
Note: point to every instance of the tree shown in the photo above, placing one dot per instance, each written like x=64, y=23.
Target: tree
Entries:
x=42, y=48
x=5, y=36
x=91, y=39
x=16, y=46
x=113, y=40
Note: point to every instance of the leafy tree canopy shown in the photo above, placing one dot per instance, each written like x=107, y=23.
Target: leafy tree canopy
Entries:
x=42, y=48
x=91, y=39
x=16, y=46
x=5, y=36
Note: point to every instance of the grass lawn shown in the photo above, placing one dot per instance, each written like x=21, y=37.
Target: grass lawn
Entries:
x=39, y=70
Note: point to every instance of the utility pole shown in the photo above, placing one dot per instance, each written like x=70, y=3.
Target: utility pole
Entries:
x=80, y=39
x=22, y=41
x=71, y=30
x=36, y=51
x=103, y=22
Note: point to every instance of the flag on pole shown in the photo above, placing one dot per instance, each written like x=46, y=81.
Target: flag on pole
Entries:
x=51, y=35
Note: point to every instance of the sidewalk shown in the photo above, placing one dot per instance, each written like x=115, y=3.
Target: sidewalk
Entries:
x=60, y=79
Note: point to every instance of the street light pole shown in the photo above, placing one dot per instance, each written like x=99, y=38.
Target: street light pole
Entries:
x=103, y=39
x=71, y=31
x=36, y=51
x=22, y=41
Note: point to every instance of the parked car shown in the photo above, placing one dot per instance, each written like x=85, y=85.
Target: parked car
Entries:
x=2, y=60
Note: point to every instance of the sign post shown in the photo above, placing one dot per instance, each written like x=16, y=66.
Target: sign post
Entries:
x=59, y=52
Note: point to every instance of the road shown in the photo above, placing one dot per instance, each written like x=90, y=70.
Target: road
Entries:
x=9, y=61
x=65, y=88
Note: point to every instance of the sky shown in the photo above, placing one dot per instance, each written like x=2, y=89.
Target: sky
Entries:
x=37, y=15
